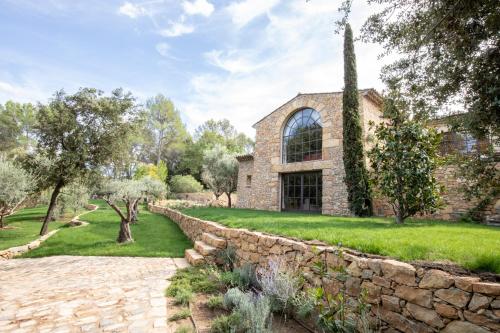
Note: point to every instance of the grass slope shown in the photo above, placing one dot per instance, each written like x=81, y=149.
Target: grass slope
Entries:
x=154, y=235
x=470, y=245
x=24, y=227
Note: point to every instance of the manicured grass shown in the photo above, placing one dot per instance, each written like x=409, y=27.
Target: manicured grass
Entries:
x=473, y=246
x=154, y=236
x=24, y=227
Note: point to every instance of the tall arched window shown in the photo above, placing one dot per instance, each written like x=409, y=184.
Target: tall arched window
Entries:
x=302, y=137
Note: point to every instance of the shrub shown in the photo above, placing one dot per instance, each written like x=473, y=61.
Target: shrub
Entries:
x=196, y=279
x=215, y=302
x=184, y=329
x=227, y=323
x=245, y=277
x=183, y=314
x=303, y=304
x=185, y=184
x=280, y=283
x=227, y=257
x=254, y=309
x=183, y=296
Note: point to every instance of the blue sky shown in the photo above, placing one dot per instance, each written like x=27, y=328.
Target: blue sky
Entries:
x=234, y=59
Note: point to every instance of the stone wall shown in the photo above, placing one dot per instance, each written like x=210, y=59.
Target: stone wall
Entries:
x=244, y=187
x=404, y=297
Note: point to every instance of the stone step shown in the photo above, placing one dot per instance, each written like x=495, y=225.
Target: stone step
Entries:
x=193, y=257
x=213, y=240
x=204, y=249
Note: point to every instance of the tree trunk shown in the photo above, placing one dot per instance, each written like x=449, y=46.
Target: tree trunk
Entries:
x=125, y=234
x=228, y=199
x=134, y=212
x=1, y=222
x=52, y=205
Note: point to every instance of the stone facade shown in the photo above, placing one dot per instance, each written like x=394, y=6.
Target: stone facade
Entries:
x=267, y=166
x=406, y=298
x=259, y=178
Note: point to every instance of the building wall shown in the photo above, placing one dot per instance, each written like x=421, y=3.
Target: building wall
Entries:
x=244, y=190
x=267, y=166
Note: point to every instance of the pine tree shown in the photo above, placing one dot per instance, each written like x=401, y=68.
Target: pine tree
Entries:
x=354, y=163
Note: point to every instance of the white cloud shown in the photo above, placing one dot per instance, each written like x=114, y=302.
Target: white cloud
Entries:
x=163, y=49
x=131, y=10
x=198, y=7
x=243, y=12
x=176, y=29
x=296, y=51
x=234, y=61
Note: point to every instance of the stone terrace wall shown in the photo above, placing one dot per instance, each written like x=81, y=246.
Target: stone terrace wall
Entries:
x=404, y=297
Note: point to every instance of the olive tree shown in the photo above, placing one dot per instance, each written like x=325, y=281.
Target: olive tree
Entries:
x=403, y=159
x=80, y=133
x=15, y=186
x=220, y=171
x=129, y=192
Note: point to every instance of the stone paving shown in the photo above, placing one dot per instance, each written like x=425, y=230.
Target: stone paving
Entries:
x=85, y=294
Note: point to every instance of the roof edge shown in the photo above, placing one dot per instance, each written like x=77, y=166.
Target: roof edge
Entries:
x=369, y=93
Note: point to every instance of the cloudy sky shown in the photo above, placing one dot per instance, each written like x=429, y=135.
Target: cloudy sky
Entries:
x=234, y=59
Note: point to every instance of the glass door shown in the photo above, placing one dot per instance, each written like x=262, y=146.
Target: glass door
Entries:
x=302, y=191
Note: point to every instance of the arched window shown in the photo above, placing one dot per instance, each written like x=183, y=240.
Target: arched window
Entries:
x=302, y=137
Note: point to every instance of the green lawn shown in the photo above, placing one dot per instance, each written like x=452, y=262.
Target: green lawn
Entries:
x=24, y=227
x=154, y=235
x=473, y=246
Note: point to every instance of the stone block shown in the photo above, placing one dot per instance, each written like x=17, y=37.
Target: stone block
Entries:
x=373, y=292
x=465, y=282
x=454, y=296
x=417, y=296
x=402, y=323
x=380, y=281
x=430, y=317
x=436, y=279
x=463, y=327
x=352, y=286
x=399, y=272
x=446, y=310
x=482, y=320
x=488, y=288
x=391, y=303
x=478, y=302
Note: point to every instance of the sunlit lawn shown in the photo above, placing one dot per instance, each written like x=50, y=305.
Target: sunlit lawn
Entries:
x=24, y=226
x=470, y=245
x=154, y=236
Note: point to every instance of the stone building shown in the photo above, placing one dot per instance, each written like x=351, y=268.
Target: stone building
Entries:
x=297, y=164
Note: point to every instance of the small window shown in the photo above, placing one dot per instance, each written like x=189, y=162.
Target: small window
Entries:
x=249, y=180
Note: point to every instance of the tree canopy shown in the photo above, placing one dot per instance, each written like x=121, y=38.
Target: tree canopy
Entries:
x=80, y=133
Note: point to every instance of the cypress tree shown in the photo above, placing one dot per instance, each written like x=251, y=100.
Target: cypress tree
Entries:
x=354, y=162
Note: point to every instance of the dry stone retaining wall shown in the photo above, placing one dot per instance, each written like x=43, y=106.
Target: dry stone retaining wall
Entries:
x=406, y=298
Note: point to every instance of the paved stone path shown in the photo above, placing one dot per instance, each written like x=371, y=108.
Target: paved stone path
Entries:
x=85, y=294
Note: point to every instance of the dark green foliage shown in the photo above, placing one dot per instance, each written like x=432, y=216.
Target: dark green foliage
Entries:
x=196, y=279
x=215, y=302
x=356, y=177
x=227, y=323
x=183, y=296
x=183, y=314
x=80, y=133
x=448, y=53
x=185, y=184
x=227, y=257
x=404, y=159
